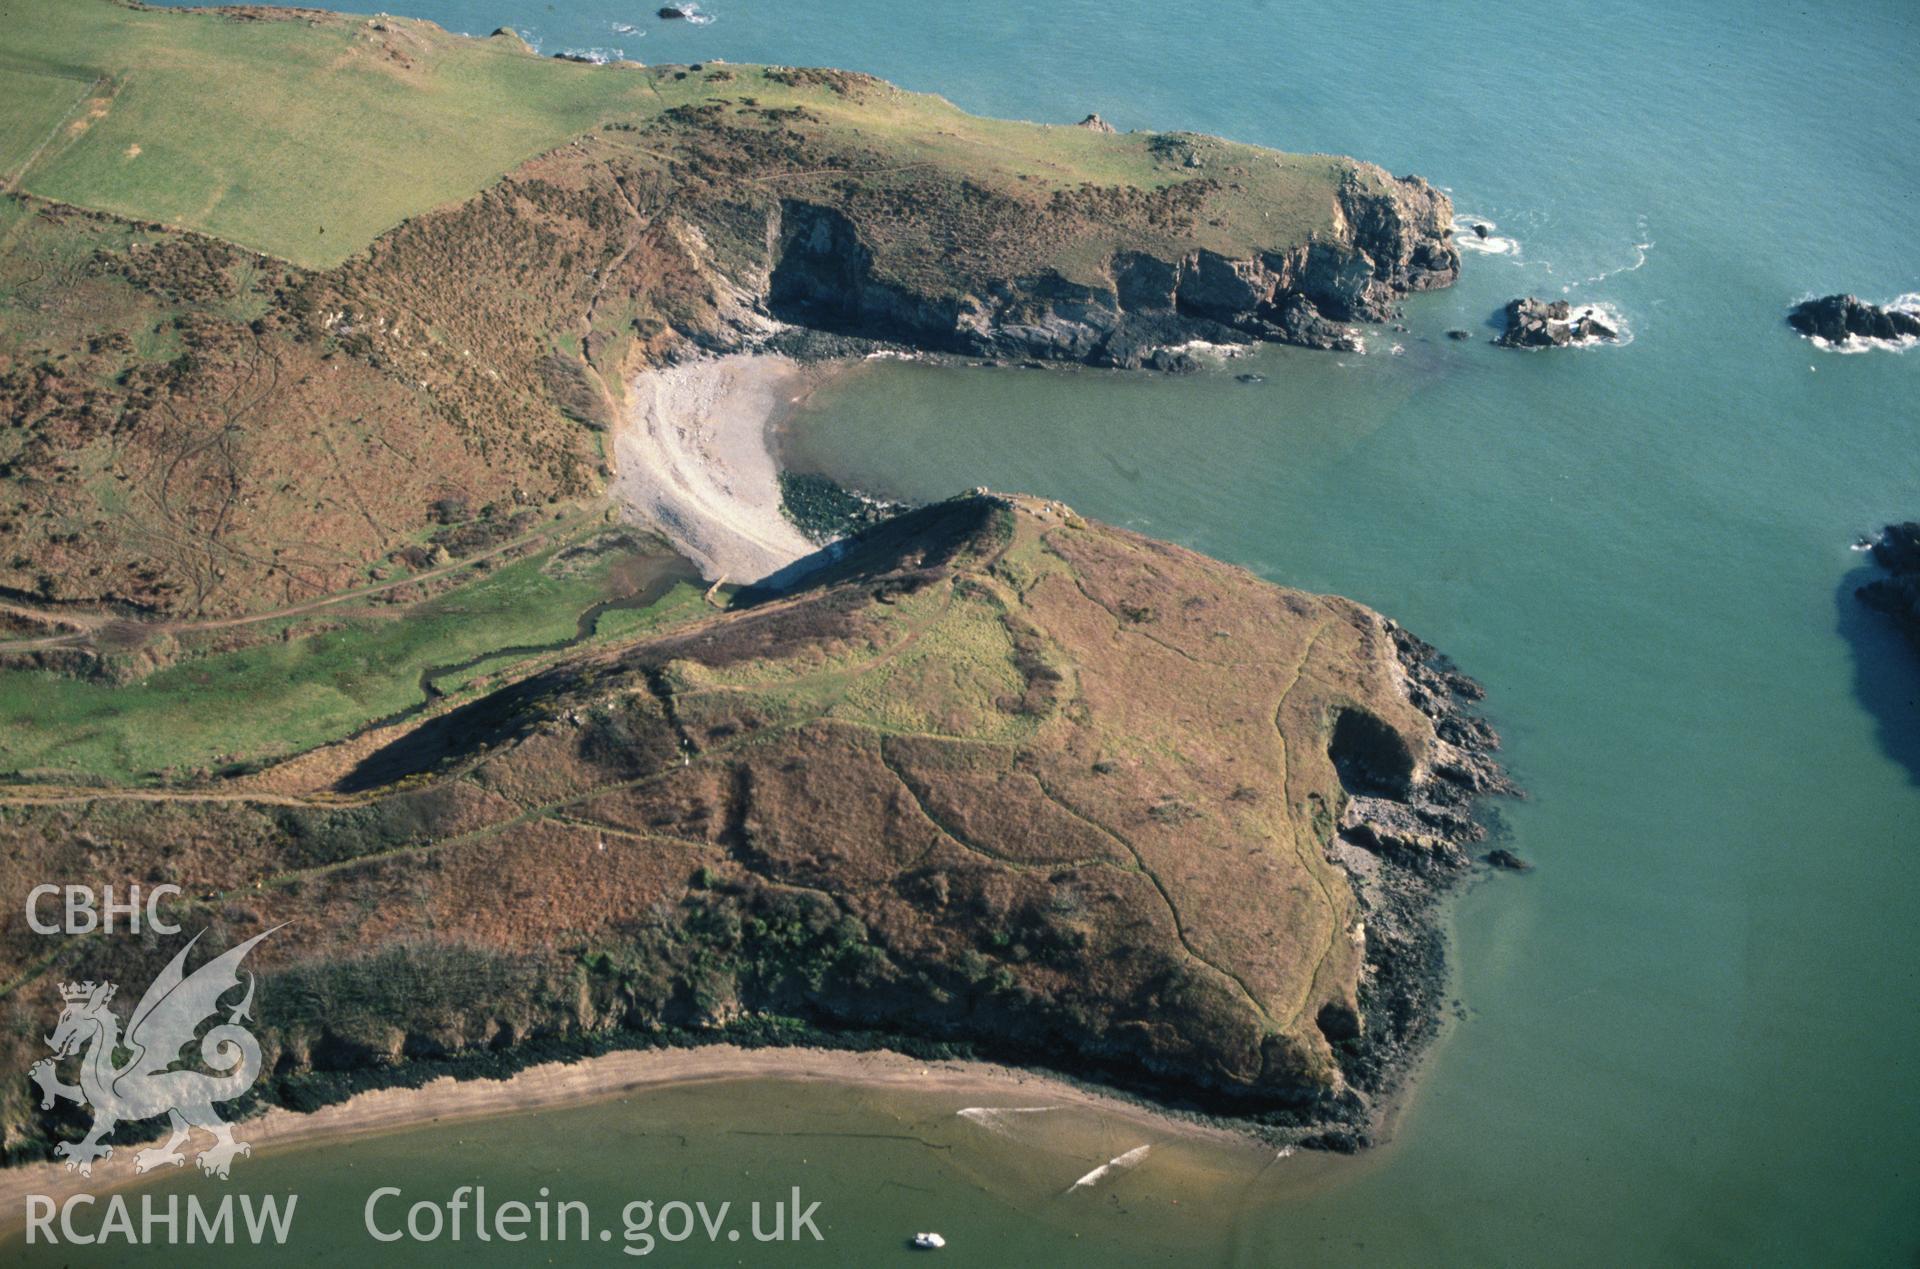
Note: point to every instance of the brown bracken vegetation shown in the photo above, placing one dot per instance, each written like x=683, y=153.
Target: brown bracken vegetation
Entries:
x=999, y=776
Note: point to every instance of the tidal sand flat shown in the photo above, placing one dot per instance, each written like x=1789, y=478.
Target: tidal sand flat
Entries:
x=1045, y=1113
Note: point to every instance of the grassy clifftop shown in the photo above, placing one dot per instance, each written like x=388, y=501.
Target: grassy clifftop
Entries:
x=1004, y=777
x=300, y=133
x=306, y=134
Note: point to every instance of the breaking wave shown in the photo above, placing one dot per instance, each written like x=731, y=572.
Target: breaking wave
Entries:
x=1119, y=1163
x=1640, y=250
x=1640, y=261
x=1607, y=315
x=994, y=1118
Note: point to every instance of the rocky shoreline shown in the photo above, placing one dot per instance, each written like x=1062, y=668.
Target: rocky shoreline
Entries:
x=1060, y=915
x=1405, y=847
x=1398, y=242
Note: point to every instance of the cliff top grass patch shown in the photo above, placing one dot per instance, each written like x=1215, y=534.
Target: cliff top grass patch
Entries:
x=296, y=133
x=306, y=134
x=36, y=106
x=306, y=683
x=1249, y=197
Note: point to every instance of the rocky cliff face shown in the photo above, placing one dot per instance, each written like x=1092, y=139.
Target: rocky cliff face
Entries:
x=1391, y=239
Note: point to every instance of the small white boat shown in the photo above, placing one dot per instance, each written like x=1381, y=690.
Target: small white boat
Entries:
x=929, y=1242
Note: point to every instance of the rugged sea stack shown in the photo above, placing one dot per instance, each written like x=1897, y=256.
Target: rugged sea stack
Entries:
x=1839, y=318
x=1897, y=550
x=1533, y=323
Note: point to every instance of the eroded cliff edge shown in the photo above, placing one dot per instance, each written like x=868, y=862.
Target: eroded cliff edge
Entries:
x=1138, y=301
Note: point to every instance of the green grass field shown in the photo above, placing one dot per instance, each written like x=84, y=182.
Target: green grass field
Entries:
x=37, y=106
x=280, y=698
x=306, y=136
x=304, y=140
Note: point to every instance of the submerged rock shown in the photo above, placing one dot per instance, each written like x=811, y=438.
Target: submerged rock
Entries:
x=1459, y=334
x=1534, y=323
x=1838, y=318
x=1501, y=857
x=1897, y=550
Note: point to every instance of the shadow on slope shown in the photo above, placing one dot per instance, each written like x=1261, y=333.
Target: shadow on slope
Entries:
x=896, y=557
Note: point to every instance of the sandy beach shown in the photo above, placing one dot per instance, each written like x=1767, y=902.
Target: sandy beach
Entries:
x=615, y=1075
x=692, y=459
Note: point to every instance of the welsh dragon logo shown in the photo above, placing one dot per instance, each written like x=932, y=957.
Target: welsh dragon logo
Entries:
x=162, y=1024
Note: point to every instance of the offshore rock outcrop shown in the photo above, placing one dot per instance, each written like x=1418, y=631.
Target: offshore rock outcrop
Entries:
x=1839, y=318
x=1897, y=550
x=1393, y=239
x=1533, y=323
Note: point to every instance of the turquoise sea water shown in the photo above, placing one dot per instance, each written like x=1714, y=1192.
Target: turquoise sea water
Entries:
x=1690, y=1034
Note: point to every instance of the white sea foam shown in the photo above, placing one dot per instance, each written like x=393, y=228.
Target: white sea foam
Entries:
x=1640, y=262
x=1207, y=348
x=994, y=1118
x=628, y=28
x=1859, y=344
x=1607, y=315
x=598, y=56
x=1119, y=1163
x=1467, y=238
